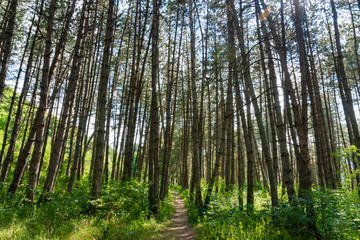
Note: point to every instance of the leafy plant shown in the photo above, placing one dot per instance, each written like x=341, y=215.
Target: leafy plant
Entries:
x=122, y=214
x=337, y=217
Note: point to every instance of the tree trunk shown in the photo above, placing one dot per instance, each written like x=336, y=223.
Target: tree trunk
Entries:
x=56, y=149
x=250, y=89
x=346, y=90
x=195, y=125
x=154, y=115
x=6, y=39
x=101, y=104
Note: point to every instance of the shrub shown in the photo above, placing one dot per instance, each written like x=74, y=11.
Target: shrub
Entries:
x=336, y=217
x=121, y=214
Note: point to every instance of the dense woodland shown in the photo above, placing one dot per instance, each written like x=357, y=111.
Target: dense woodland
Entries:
x=249, y=108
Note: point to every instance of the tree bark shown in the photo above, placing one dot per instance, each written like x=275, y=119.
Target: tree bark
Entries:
x=57, y=146
x=195, y=125
x=6, y=40
x=101, y=104
x=154, y=115
x=250, y=89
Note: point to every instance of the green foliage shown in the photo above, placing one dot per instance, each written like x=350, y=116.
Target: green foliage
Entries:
x=121, y=214
x=337, y=217
x=125, y=200
x=337, y=214
x=345, y=157
x=5, y=107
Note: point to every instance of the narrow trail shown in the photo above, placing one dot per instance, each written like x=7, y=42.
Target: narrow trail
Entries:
x=180, y=228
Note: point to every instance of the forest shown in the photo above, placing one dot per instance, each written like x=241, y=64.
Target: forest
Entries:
x=179, y=119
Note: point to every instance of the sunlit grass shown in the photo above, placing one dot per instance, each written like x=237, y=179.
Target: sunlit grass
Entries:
x=122, y=214
x=337, y=216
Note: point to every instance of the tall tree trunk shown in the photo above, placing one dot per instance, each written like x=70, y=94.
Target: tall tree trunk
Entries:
x=28, y=39
x=280, y=123
x=346, y=90
x=6, y=40
x=300, y=115
x=17, y=121
x=154, y=115
x=134, y=92
x=195, y=132
x=220, y=126
x=101, y=104
x=56, y=149
x=229, y=112
x=169, y=130
x=305, y=182
x=250, y=89
x=37, y=129
x=47, y=72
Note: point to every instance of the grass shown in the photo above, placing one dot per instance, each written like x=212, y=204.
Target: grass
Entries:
x=337, y=216
x=122, y=212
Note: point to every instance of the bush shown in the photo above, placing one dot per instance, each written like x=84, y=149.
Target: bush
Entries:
x=337, y=217
x=121, y=214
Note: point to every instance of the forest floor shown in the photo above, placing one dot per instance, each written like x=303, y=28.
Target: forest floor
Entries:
x=180, y=228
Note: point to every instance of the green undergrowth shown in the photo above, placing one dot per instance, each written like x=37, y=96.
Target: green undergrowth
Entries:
x=337, y=216
x=122, y=212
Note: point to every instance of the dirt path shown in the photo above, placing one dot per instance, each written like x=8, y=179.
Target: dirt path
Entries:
x=180, y=228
